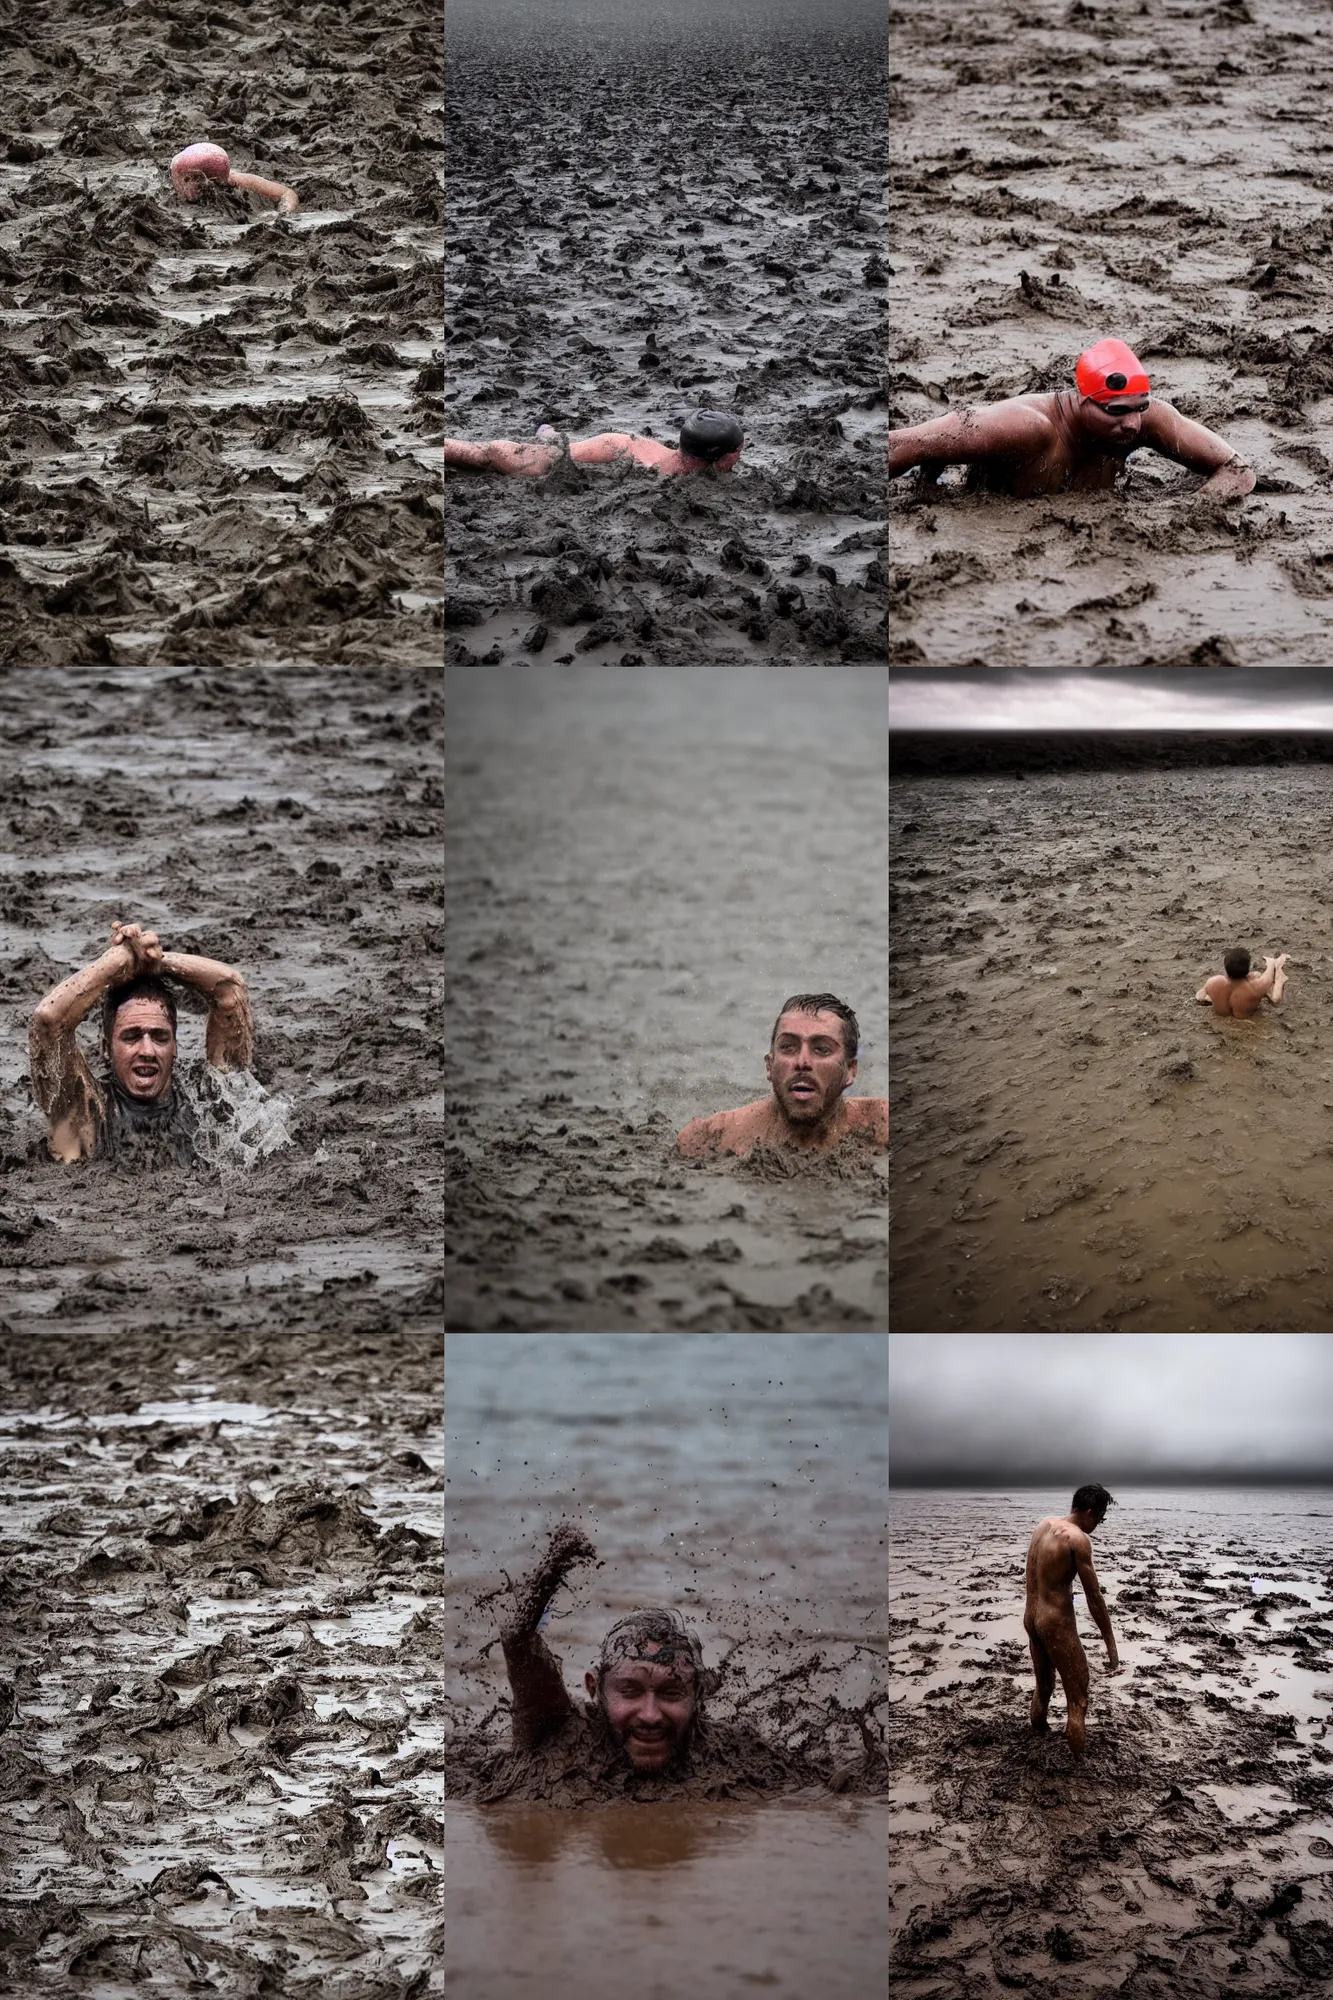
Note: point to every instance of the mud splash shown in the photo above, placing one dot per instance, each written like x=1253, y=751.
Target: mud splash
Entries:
x=1188, y=1853
x=221, y=420
x=617, y=267
x=223, y=1563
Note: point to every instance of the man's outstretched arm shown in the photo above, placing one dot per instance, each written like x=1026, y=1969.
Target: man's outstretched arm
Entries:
x=1092, y=1590
x=1199, y=448
x=62, y=1083
x=500, y=455
x=964, y=436
x=229, y=1035
x=540, y=1700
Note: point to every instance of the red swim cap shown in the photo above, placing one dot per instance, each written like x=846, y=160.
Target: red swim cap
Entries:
x=1110, y=370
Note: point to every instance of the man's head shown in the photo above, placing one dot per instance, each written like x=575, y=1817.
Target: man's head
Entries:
x=139, y=1029
x=1113, y=390
x=1237, y=963
x=711, y=437
x=648, y=1685
x=811, y=1056
x=1091, y=1502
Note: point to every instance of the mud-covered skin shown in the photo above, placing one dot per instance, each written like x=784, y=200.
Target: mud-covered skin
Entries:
x=287, y=824
x=536, y=1681
x=700, y=227
x=221, y=418
x=221, y=1642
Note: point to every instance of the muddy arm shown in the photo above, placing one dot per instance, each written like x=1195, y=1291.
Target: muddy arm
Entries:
x=964, y=436
x=1197, y=447
x=230, y=1032
x=540, y=1701
x=500, y=455
x=1092, y=1590
x=61, y=1080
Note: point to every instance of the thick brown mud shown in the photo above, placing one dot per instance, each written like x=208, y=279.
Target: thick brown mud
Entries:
x=222, y=1572
x=288, y=824
x=1063, y=173
x=645, y=218
x=1187, y=1854
x=1079, y=1144
x=220, y=423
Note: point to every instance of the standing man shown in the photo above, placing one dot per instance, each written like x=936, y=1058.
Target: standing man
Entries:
x=1058, y=1552
x=135, y=1106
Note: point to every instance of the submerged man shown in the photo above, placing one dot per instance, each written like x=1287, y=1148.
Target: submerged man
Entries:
x=136, y=1106
x=811, y=1064
x=1239, y=991
x=1058, y=1552
x=1075, y=440
x=707, y=438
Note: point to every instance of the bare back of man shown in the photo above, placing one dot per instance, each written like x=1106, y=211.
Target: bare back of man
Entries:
x=1242, y=998
x=1058, y=1552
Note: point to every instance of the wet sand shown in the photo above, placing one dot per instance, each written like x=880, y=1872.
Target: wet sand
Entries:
x=641, y=868
x=1059, y=176
x=221, y=1648
x=221, y=421
x=289, y=824
x=1188, y=1854
x=1078, y=1143
x=744, y=1484
x=671, y=210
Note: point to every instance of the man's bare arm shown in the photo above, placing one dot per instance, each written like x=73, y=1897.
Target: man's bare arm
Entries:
x=230, y=1032
x=1197, y=447
x=1092, y=1590
x=61, y=1080
x=540, y=1700
x=967, y=435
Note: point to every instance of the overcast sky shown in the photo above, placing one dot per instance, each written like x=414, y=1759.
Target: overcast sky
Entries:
x=1170, y=698
x=1035, y=1408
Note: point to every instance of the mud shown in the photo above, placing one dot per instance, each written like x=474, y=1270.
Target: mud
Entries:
x=222, y=1571
x=1078, y=1143
x=288, y=824
x=220, y=420
x=672, y=210
x=628, y=908
x=1188, y=1853
x=1062, y=173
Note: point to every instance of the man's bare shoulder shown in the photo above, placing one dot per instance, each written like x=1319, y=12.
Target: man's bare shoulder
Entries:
x=869, y=1115
x=725, y=1131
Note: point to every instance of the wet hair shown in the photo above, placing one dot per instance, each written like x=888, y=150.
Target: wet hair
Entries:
x=147, y=986
x=1092, y=1499
x=1237, y=963
x=710, y=435
x=664, y=1629
x=823, y=1003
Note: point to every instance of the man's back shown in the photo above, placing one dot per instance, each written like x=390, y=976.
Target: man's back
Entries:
x=1053, y=1562
x=1238, y=997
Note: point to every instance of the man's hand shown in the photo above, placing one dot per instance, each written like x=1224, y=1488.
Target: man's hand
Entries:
x=144, y=948
x=567, y=1546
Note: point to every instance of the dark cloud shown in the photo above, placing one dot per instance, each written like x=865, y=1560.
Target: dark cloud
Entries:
x=1011, y=1409
x=985, y=698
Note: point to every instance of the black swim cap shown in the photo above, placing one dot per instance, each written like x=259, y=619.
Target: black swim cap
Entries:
x=710, y=435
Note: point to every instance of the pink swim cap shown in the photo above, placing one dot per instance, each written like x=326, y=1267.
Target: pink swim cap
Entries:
x=205, y=158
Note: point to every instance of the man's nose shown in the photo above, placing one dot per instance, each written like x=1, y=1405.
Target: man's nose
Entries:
x=648, y=1709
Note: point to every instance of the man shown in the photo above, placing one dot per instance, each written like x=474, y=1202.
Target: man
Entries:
x=707, y=438
x=136, y=1108
x=1238, y=991
x=1059, y=1551
x=1075, y=440
x=811, y=1064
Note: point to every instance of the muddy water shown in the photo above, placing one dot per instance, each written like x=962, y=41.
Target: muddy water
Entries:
x=742, y=1480
x=781, y=1899
x=641, y=868
x=290, y=826
x=1055, y=182
x=1190, y=1852
x=1078, y=1144
x=221, y=422
x=221, y=1649
x=654, y=210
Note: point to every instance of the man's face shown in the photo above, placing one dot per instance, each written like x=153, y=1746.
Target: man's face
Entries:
x=143, y=1048
x=1117, y=423
x=808, y=1067
x=649, y=1708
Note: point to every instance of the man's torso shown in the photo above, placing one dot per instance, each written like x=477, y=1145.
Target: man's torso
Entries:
x=1062, y=465
x=1238, y=997
x=760, y=1123
x=1052, y=1566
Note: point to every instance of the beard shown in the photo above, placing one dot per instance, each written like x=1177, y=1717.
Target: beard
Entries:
x=678, y=1743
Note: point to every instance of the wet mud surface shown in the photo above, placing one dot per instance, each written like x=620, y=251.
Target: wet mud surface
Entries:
x=1061, y=174
x=1077, y=1143
x=1188, y=1854
x=220, y=429
x=288, y=824
x=645, y=219
x=222, y=1575
x=625, y=895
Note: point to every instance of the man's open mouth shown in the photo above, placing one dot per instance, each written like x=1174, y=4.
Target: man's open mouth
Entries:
x=802, y=1089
